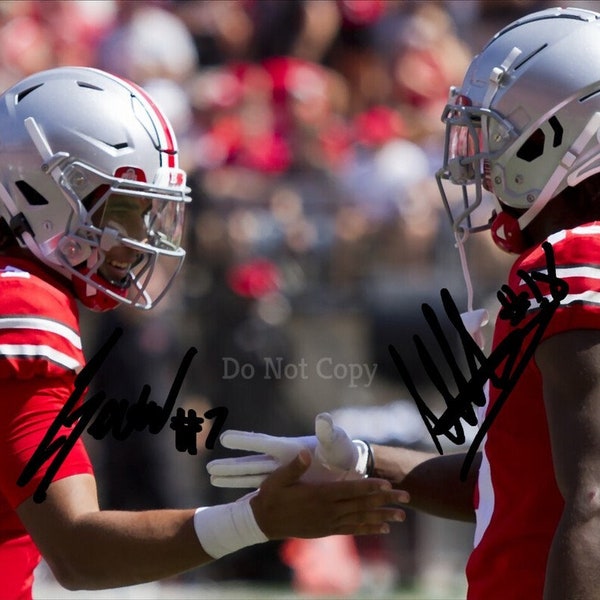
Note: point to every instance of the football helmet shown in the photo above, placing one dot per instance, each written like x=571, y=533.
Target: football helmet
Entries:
x=90, y=184
x=525, y=124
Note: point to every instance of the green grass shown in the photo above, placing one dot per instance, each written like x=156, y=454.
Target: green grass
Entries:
x=226, y=591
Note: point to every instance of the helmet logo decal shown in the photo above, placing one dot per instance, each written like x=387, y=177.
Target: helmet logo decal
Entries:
x=131, y=173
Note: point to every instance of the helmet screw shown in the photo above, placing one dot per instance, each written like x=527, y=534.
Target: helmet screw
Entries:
x=71, y=249
x=530, y=198
x=497, y=180
x=519, y=179
x=78, y=179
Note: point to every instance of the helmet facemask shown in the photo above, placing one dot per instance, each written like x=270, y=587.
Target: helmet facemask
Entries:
x=467, y=159
x=123, y=238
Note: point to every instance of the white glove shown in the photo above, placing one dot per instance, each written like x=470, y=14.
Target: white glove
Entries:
x=335, y=456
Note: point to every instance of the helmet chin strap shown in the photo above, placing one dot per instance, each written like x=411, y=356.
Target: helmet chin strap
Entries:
x=473, y=320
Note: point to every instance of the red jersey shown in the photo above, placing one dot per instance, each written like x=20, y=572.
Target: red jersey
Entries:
x=518, y=504
x=40, y=355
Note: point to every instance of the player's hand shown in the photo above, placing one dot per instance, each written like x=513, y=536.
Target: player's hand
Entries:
x=287, y=506
x=335, y=456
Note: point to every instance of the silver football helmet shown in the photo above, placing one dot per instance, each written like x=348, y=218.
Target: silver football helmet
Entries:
x=90, y=184
x=525, y=124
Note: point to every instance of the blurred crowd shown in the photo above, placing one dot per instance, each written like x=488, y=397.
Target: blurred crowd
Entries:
x=311, y=132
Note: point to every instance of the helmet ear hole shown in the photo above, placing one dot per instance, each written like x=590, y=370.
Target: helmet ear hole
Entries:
x=558, y=130
x=533, y=146
x=7, y=236
x=33, y=197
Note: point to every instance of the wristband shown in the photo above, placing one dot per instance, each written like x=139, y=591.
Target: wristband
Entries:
x=370, y=468
x=364, y=454
x=225, y=528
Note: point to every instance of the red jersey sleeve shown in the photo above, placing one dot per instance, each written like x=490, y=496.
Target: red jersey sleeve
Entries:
x=39, y=325
x=26, y=414
x=40, y=355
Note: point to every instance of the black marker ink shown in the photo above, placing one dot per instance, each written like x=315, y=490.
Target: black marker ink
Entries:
x=63, y=444
x=504, y=358
x=186, y=426
x=219, y=413
x=113, y=416
x=121, y=419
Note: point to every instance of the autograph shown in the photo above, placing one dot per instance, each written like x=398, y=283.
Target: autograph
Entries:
x=118, y=417
x=502, y=368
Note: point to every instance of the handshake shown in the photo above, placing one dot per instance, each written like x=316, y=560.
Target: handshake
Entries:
x=335, y=456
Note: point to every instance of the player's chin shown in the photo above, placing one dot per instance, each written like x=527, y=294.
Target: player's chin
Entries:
x=118, y=265
x=118, y=274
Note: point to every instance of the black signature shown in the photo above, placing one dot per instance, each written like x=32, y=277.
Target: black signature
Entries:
x=502, y=368
x=118, y=417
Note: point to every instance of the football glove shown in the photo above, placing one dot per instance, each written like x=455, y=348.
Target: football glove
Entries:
x=335, y=456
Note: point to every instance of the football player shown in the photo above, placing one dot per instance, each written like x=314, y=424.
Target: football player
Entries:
x=91, y=210
x=525, y=127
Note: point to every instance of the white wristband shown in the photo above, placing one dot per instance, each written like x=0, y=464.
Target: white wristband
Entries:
x=225, y=528
x=363, y=458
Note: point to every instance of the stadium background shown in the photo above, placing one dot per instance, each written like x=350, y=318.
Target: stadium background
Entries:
x=311, y=131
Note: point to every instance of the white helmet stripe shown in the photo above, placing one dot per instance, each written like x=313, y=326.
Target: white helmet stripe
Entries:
x=166, y=135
